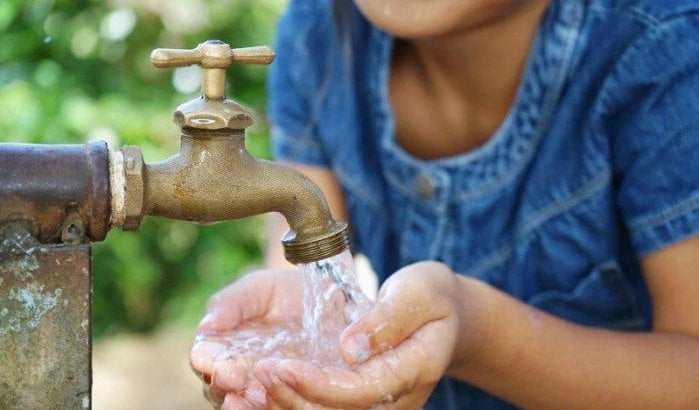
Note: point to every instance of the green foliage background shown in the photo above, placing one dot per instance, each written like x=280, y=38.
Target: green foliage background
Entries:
x=76, y=70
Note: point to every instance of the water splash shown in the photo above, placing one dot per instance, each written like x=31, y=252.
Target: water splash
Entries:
x=331, y=300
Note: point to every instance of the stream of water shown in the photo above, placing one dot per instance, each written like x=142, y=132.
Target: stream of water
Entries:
x=332, y=300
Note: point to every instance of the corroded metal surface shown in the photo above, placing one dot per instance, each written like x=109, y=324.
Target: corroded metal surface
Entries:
x=44, y=323
x=60, y=193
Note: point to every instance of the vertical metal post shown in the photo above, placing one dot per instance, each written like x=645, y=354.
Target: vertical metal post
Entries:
x=45, y=306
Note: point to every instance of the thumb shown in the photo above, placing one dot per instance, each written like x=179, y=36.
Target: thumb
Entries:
x=402, y=309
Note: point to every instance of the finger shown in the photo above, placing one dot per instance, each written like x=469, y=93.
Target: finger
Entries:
x=233, y=402
x=405, y=305
x=203, y=355
x=417, y=363
x=245, y=299
x=230, y=373
x=284, y=397
x=255, y=393
x=280, y=394
x=214, y=395
x=327, y=386
x=414, y=400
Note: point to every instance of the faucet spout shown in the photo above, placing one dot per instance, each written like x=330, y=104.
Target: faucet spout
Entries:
x=214, y=178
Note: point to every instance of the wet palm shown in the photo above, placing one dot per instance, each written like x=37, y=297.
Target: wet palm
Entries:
x=257, y=317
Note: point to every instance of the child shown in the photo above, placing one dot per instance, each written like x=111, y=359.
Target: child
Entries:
x=546, y=153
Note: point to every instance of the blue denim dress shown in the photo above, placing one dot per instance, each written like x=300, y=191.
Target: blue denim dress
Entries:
x=595, y=165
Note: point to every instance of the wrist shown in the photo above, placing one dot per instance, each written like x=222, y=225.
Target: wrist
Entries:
x=473, y=303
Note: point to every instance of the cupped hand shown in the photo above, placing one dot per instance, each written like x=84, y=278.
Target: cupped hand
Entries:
x=266, y=298
x=398, y=351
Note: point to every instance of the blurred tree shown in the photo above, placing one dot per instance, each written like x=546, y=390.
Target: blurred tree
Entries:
x=77, y=70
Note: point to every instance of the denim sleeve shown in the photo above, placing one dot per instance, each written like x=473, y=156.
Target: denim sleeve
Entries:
x=292, y=88
x=655, y=135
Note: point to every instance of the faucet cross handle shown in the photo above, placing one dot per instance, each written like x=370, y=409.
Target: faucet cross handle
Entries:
x=214, y=56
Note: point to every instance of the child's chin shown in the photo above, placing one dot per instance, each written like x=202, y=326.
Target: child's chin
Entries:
x=415, y=19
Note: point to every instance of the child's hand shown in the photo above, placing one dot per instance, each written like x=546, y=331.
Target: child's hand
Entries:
x=401, y=349
x=267, y=296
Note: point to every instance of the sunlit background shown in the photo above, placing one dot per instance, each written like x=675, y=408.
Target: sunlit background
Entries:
x=77, y=70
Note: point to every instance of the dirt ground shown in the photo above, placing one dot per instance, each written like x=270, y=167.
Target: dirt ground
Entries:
x=145, y=373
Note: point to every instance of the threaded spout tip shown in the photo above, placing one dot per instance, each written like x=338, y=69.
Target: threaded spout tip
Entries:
x=317, y=247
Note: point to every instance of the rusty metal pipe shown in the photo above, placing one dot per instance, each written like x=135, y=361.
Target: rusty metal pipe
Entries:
x=59, y=193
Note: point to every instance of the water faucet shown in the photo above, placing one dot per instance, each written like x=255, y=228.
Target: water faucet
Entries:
x=213, y=177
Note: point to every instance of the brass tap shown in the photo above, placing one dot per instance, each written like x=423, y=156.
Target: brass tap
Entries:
x=213, y=177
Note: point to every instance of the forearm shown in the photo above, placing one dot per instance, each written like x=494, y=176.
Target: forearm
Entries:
x=536, y=360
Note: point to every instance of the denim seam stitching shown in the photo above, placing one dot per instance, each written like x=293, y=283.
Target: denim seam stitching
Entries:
x=299, y=46
x=351, y=185
x=287, y=138
x=666, y=215
x=541, y=217
x=442, y=220
x=635, y=318
x=643, y=17
x=556, y=208
x=638, y=44
x=492, y=260
x=398, y=184
x=404, y=250
x=575, y=293
x=316, y=102
x=448, y=249
x=648, y=19
x=439, y=230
